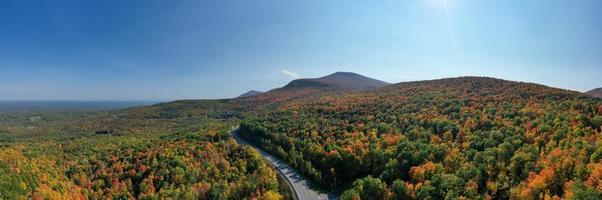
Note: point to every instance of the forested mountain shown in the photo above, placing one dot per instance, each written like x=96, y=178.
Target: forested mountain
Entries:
x=454, y=138
x=595, y=92
x=338, y=80
x=250, y=93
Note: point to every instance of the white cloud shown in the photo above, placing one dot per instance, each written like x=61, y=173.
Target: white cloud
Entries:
x=289, y=73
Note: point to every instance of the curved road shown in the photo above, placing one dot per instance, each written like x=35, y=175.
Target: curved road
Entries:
x=301, y=186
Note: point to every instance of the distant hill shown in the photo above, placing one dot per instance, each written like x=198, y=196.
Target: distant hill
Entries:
x=310, y=92
x=68, y=106
x=250, y=93
x=595, y=93
x=484, y=86
x=338, y=80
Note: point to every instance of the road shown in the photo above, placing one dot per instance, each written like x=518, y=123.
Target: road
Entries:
x=301, y=186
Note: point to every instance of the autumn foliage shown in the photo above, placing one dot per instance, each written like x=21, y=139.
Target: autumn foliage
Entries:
x=472, y=138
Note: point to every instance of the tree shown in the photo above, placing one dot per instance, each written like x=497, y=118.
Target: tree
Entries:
x=580, y=192
x=400, y=190
x=597, y=122
x=270, y=195
x=350, y=194
x=367, y=188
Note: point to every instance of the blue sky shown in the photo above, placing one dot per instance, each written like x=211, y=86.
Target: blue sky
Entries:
x=166, y=50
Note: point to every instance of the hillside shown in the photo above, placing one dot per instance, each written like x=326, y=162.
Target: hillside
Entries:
x=595, y=93
x=172, y=115
x=467, y=137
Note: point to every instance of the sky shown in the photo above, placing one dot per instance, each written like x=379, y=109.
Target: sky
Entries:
x=167, y=50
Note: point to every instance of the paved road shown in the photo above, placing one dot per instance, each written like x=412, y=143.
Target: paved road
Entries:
x=301, y=186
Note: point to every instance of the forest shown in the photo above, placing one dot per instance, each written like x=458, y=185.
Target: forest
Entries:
x=458, y=138
x=200, y=164
x=464, y=138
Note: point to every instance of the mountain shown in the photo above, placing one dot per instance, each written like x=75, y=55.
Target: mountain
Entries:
x=465, y=89
x=307, y=88
x=483, y=86
x=595, y=93
x=250, y=93
x=337, y=81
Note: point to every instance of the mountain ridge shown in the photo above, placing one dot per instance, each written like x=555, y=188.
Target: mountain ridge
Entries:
x=337, y=80
x=457, y=87
x=250, y=93
x=595, y=92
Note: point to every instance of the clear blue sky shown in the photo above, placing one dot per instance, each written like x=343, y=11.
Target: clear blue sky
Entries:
x=165, y=50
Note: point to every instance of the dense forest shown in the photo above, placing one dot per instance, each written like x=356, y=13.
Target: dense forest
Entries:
x=462, y=138
x=200, y=164
x=458, y=138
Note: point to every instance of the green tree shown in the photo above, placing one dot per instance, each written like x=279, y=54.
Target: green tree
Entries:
x=400, y=190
